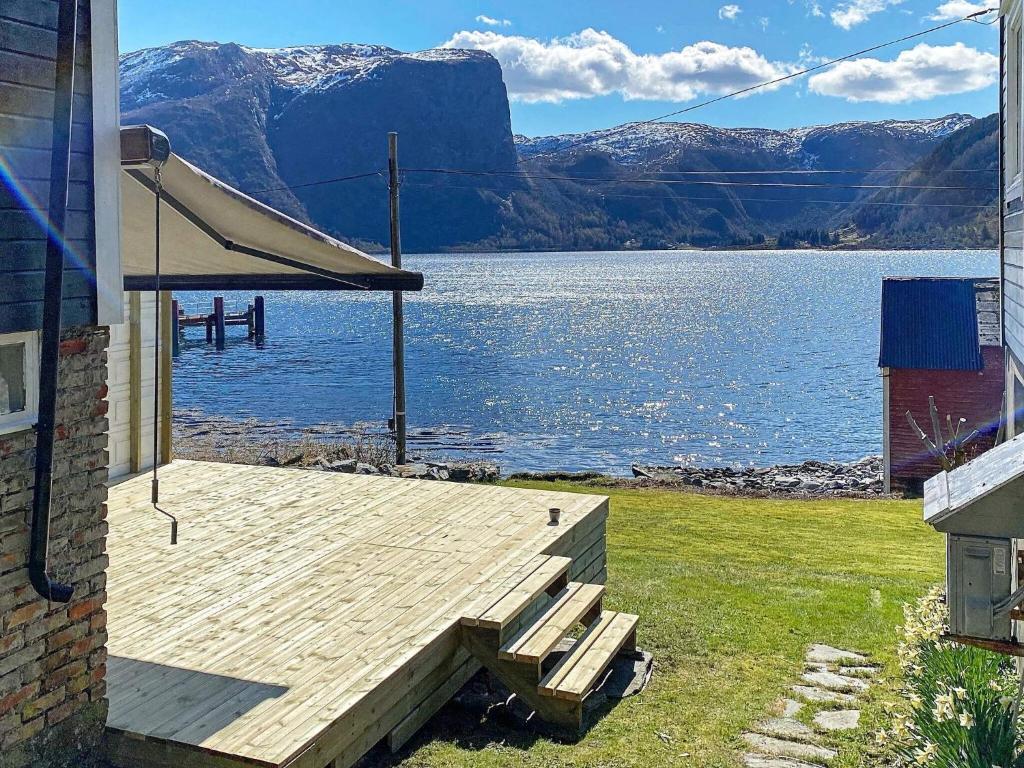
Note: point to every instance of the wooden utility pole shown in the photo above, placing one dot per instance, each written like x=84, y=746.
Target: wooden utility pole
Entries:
x=397, y=338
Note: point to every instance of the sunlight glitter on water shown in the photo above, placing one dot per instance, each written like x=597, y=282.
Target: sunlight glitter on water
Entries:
x=587, y=361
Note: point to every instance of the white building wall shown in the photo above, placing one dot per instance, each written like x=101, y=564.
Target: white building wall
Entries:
x=120, y=385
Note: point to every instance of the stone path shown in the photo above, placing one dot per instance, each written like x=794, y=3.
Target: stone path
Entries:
x=832, y=678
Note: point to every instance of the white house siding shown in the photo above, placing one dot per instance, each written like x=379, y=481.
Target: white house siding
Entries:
x=1012, y=212
x=120, y=384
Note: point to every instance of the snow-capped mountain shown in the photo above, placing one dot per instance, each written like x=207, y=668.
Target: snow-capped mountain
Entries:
x=266, y=120
x=643, y=143
x=279, y=122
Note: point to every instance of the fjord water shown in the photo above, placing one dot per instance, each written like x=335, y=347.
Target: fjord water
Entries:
x=583, y=360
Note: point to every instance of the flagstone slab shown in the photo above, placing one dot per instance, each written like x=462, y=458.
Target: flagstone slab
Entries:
x=786, y=728
x=829, y=655
x=771, y=746
x=834, y=682
x=791, y=707
x=838, y=719
x=754, y=760
x=821, y=696
x=859, y=671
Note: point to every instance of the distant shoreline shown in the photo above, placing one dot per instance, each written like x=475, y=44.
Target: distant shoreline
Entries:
x=714, y=249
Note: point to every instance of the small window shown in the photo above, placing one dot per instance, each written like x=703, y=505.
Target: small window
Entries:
x=19, y=364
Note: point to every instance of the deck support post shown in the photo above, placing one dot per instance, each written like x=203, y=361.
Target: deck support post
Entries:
x=397, y=334
x=522, y=680
x=218, y=321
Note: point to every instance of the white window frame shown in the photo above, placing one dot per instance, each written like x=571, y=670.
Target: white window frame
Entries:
x=16, y=422
x=1014, y=140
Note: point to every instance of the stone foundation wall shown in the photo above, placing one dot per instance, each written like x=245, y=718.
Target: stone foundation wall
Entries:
x=52, y=656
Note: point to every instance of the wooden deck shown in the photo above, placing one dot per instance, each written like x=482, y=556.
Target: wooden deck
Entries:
x=304, y=616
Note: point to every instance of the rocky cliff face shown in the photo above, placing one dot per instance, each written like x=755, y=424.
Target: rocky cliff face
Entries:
x=264, y=119
x=280, y=123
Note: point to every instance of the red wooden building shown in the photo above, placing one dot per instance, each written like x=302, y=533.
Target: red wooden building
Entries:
x=940, y=337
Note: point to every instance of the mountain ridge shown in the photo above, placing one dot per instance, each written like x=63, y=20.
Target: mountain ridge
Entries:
x=275, y=122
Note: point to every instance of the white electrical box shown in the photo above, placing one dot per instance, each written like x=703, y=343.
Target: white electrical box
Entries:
x=980, y=508
x=979, y=577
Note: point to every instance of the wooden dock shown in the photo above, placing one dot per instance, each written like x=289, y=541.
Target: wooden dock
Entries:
x=305, y=616
x=253, y=317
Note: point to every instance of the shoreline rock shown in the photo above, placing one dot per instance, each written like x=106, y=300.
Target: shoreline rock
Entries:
x=863, y=477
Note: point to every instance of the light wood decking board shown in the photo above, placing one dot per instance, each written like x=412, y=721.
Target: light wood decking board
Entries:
x=303, y=611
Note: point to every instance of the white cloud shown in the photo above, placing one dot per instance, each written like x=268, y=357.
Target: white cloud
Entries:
x=729, y=12
x=492, y=22
x=850, y=13
x=920, y=73
x=958, y=9
x=813, y=7
x=592, y=63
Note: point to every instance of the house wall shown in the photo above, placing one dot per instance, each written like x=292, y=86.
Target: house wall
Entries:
x=53, y=656
x=974, y=395
x=130, y=382
x=1012, y=152
x=28, y=49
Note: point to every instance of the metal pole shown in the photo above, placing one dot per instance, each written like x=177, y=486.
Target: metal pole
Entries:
x=397, y=340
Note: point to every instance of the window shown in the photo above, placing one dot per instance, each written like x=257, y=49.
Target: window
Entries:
x=19, y=384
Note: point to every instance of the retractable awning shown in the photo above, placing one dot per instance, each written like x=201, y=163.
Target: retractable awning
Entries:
x=214, y=237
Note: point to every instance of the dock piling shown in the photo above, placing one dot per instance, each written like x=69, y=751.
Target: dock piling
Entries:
x=175, y=329
x=260, y=321
x=218, y=321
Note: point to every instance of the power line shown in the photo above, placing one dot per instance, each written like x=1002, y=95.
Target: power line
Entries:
x=801, y=201
x=318, y=183
x=629, y=126
x=768, y=83
x=528, y=174
x=697, y=182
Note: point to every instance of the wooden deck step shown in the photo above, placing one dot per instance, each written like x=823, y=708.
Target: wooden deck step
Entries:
x=534, y=643
x=574, y=676
x=547, y=570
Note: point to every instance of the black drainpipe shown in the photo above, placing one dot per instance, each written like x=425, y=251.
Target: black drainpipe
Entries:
x=60, y=161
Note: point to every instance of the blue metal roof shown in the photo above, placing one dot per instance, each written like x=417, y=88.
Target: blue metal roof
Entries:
x=930, y=322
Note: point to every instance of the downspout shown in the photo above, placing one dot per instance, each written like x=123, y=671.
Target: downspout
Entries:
x=60, y=162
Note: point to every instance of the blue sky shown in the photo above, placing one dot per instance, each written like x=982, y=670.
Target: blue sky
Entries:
x=574, y=66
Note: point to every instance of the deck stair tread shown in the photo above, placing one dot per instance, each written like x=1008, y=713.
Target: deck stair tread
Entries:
x=574, y=676
x=501, y=609
x=536, y=641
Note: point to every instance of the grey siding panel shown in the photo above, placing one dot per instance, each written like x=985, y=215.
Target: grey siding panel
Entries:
x=23, y=132
x=79, y=195
x=28, y=44
x=28, y=315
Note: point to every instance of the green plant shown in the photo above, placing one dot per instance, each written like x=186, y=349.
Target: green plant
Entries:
x=961, y=701
x=951, y=453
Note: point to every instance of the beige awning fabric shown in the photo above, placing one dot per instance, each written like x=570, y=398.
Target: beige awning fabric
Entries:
x=213, y=237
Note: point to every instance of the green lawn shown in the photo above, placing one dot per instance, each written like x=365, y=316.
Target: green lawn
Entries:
x=730, y=592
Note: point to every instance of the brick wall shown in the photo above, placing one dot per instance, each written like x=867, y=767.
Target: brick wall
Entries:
x=974, y=395
x=52, y=656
